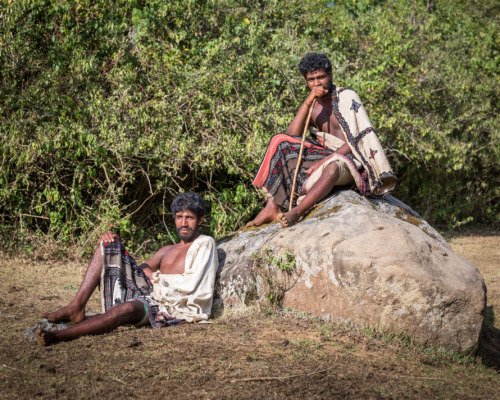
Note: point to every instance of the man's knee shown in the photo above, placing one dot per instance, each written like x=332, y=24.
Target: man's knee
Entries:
x=128, y=312
x=332, y=171
x=126, y=308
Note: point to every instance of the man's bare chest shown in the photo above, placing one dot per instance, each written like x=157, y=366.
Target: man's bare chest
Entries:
x=325, y=120
x=173, y=261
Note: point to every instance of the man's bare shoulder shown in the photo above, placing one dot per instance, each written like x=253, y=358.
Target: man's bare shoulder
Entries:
x=166, y=249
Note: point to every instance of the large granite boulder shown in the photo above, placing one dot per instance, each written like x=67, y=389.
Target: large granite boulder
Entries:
x=373, y=262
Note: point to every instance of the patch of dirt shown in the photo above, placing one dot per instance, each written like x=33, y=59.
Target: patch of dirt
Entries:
x=243, y=356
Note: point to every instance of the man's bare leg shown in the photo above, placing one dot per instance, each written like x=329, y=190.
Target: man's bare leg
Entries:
x=130, y=312
x=75, y=311
x=268, y=214
x=317, y=193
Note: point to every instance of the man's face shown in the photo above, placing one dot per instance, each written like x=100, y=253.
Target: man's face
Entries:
x=187, y=224
x=319, y=78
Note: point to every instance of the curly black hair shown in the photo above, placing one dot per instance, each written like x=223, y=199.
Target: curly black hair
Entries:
x=313, y=62
x=189, y=201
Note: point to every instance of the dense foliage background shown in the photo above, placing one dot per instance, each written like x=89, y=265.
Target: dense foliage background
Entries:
x=111, y=108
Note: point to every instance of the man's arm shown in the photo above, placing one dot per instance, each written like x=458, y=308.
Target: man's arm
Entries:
x=153, y=264
x=344, y=149
x=296, y=127
x=150, y=266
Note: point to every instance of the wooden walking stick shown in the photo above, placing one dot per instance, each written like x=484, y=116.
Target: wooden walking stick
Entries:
x=300, y=153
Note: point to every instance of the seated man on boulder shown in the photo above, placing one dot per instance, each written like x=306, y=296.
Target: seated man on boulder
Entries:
x=176, y=285
x=343, y=150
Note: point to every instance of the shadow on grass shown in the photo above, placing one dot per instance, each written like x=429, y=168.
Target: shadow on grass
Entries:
x=489, y=345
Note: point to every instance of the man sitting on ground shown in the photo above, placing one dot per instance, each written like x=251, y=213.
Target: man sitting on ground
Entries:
x=176, y=285
x=344, y=150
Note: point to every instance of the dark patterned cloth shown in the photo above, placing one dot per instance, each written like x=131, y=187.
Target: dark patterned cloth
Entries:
x=122, y=280
x=280, y=161
x=283, y=164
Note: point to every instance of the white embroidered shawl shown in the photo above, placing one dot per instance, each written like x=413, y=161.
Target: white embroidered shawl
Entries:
x=189, y=295
x=363, y=140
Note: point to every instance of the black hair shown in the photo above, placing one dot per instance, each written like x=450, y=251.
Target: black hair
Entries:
x=189, y=201
x=313, y=62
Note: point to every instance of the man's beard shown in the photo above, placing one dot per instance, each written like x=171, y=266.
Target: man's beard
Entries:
x=330, y=87
x=188, y=235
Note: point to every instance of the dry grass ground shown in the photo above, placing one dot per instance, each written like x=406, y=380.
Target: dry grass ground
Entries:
x=235, y=357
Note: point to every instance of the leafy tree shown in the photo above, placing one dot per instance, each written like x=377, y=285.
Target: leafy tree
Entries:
x=109, y=109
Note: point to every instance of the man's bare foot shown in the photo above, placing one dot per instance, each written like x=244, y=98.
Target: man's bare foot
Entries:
x=44, y=338
x=262, y=219
x=289, y=218
x=72, y=313
x=268, y=214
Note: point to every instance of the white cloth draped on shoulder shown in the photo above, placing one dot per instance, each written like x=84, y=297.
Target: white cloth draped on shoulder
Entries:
x=189, y=295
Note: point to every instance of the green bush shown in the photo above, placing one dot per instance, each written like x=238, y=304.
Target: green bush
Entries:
x=109, y=109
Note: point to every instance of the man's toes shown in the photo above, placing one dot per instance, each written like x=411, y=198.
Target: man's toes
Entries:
x=282, y=219
x=40, y=337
